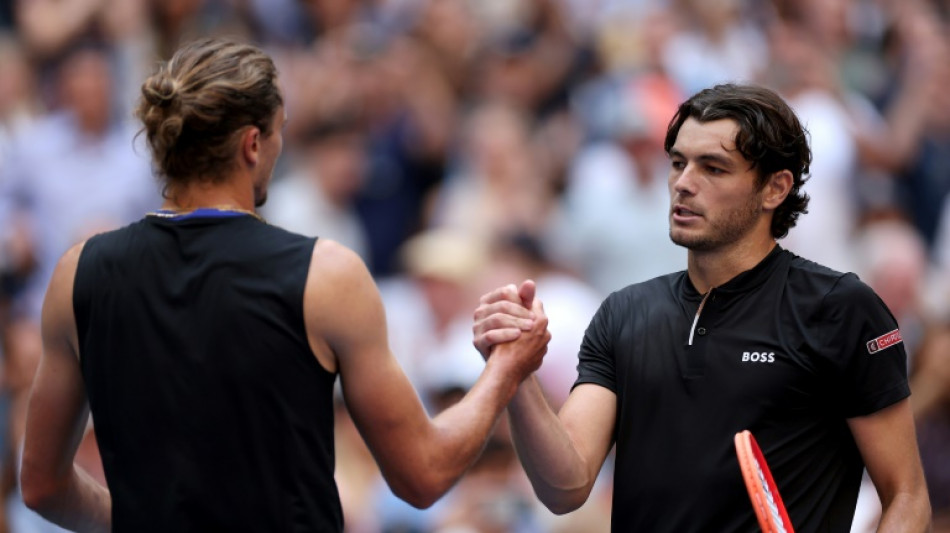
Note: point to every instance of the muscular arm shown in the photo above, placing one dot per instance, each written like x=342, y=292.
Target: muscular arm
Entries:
x=561, y=453
x=56, y=418
x=888, y=445
x=420, y=458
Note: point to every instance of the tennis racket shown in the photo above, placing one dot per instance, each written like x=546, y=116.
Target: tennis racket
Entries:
x=763, y=492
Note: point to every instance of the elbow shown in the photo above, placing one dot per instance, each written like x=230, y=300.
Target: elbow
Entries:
x=38, y=495
x=562, y=500
x=418, y=497
x=420, y=492
x=419, y=501
x=561, y=505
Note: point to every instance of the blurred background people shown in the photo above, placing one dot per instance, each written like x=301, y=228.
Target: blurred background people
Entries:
x=317, y=196
x=455, y=144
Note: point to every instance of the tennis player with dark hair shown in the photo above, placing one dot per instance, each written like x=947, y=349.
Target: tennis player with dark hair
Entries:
x=206, y=343
x=749, y=336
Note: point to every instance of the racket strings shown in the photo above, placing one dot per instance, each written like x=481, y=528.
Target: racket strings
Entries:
x=770, y=501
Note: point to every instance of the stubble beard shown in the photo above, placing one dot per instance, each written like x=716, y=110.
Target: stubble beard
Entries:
x=730, y=228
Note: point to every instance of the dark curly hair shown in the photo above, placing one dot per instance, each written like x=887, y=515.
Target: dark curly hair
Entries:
x=193, y=106
x=770, y=136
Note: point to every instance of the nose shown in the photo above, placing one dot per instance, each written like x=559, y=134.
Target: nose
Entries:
x=683, y=180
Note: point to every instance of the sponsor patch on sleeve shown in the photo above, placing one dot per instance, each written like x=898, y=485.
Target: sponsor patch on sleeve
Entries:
x=884, y=341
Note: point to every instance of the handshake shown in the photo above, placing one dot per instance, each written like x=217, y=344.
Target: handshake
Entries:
x=511, y=329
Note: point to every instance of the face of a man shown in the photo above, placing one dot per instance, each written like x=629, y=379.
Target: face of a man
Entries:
x=271, y=146
x=715, y=202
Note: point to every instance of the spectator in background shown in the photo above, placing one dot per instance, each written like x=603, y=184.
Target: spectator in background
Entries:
x=357, y=475
x=72, y=174
x=865, y=148
x=716, y=35
x=941, y=257
x=49, y=30
x=526, y=58
x=922, y=179
x=19, y=105
x=450, y=33
x=317, y=196
x=612, y=225
x=431, y=332
x=930, y=383
x=75, y=172
x=806, y=76
x=892, y=259
x=496, y=187
x=19, y=108
x=411, y=126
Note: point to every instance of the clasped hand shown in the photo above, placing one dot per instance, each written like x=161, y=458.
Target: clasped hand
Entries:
x=510, y=322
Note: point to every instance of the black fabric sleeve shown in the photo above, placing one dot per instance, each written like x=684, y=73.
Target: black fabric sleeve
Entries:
x=862, y=342
x=596, y=362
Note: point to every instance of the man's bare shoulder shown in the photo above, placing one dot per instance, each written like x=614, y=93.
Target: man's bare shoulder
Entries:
x=333, y=263
x=58, y=323
x=65, y=270
x=342, y=306
x=338, y=276
x=328, y=253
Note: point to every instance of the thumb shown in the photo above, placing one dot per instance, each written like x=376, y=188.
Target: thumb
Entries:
x=526, y=291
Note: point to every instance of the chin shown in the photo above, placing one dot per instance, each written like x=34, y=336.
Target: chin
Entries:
x=696, y=243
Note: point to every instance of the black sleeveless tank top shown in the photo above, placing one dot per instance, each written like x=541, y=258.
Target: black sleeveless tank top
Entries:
x=210, y=409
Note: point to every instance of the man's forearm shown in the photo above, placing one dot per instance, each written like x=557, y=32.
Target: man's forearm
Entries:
x=442, y=451
x=906, y=513
x=559, y=476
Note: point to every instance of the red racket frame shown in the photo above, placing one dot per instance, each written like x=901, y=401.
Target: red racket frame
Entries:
x=760, y=485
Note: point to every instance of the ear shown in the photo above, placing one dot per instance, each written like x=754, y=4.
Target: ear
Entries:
x=251, y=146
x=776, y=189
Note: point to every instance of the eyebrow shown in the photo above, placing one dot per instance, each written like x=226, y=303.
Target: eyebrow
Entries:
x=705, y=158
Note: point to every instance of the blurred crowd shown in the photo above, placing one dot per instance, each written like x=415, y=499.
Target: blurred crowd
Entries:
x=457, y=145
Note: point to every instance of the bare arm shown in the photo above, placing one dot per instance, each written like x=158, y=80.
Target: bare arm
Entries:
x=888, y=445
x=52, y=484
x=561, y=453
x=420, y=458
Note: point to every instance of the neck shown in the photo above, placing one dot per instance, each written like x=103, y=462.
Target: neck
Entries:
x=710, y=269
x=197, y=195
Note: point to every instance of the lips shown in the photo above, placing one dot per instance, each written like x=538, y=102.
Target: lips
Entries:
x=682, y=211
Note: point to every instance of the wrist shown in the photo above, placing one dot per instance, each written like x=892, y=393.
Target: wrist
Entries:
x=507, y=376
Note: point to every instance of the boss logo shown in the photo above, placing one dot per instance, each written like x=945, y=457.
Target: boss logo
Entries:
x=758, y=357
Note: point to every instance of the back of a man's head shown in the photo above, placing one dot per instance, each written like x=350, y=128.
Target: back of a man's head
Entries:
x=193, y=106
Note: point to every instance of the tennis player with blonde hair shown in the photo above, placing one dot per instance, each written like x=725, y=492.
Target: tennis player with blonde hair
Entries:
x=206, y=342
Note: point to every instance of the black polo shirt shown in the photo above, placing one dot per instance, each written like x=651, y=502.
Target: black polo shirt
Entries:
x=789, y=350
